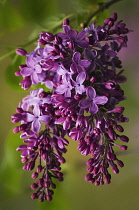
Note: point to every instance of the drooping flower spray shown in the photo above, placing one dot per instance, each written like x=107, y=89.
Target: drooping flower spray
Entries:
x=82, y=74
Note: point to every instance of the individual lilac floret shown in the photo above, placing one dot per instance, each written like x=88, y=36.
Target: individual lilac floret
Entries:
x=92, y=100
x=64, y=88
x=79, y=87
x=32, y=69
x=36, y=118
x=78, y=64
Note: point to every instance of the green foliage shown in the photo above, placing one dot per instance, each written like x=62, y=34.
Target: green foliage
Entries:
x=37, y=11
x=10, y=18
x=10, y=175
x=10, y=77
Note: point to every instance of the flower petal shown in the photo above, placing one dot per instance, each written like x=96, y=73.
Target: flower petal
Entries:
x=36, y=110
x=93, y=108
x=45, y=119
x=36, y=125
x=30, y=117
x=76, y=57
x=100, y=100
x=91, y=93
x=85, y=63
x=26, y=71
x=34, y=78
x=81, y=77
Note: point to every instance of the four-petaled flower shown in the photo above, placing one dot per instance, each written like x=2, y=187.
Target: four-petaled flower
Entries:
x=32, y=69
x=92, y=100
x=35, y=118
x=79, y=87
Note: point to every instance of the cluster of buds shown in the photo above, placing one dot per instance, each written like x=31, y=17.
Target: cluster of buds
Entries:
x=81, y=75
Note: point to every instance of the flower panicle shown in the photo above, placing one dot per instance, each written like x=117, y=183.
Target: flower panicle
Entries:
x=82, y=74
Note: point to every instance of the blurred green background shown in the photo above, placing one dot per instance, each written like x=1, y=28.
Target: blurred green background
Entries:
x=20, y=22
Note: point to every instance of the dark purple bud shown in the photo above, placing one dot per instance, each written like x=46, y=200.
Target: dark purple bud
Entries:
x=101, y=182
x=39, y=168
x=114, y=16
x=90, y=168
x=92, y=80
x=46, y=36
x=90, y=162
x=34, y=196
x=25, y=167
x=88, y=177
x=47, y=184
x=110, y=23
x=106, y=21
x=97, y=183
x=115, y=169
x=17, y=73
x=107, y=178
x=16, y=117
x=119, y=128
x=34, y=175
x=111, y=156
x=124, y=138
x=30, y=165
x=120, y=79
x=40, y=182
x=34, y=186
x=16, y=129
x=60, y=179
x=22, y=66
x=58, y=40
x=120, y=163
x=48, y=197
x=66, y=21
x=23, y=127
x=42, y=42
x=78, y=97
x=123, y=119
x=112, y=134
x=19, y=110
x=92, y=180
x=50, y=192
x=120, y=39
x=71, y=45
x=42, y=199
x=118, y=109
x=53, y=185
x=58, y=112
x=109, y=85
x=59, y=174
x=123, y=147
x=24, y=159
x=61, y=160
x=21, y=52
x=96, y=170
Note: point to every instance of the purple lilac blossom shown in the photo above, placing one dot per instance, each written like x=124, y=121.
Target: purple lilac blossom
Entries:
x=83, y=73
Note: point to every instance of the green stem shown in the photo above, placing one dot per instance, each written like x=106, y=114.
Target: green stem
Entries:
x=102, y=7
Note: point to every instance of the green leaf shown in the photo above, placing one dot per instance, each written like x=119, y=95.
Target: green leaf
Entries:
x=10, y=77
x=10, y=175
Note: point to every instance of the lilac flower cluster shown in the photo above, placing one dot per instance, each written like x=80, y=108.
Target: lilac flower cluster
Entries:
x=82, y=74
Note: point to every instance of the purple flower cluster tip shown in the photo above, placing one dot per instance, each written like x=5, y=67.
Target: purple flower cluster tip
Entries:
x=81, y=75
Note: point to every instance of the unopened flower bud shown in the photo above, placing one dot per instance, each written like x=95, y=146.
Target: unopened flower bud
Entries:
x=21, y=52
